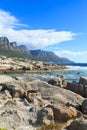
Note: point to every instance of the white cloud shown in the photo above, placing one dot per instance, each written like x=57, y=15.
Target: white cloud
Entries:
x=64, y=53
x=35, y=38
x=8, y=21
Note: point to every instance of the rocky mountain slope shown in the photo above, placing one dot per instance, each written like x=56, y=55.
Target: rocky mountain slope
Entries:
x=48, y=56
x=12, y=49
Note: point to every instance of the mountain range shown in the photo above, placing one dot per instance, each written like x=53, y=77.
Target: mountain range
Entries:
x=13, y=50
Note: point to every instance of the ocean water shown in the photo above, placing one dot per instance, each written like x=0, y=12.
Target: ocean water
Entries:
x=73, y=73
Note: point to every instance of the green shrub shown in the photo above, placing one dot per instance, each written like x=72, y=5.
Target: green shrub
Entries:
x=3, y=129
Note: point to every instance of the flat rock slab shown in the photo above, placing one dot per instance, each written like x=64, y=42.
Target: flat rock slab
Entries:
x=5, y=78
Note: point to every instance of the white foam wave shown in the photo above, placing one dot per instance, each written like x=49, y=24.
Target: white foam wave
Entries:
x=76, y=68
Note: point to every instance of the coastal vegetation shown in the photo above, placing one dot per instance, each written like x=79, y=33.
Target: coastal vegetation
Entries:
x=3, y=129
x=52, y=126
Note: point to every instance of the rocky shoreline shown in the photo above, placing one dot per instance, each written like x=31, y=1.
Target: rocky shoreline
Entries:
x=16, y=65
x=29, y=103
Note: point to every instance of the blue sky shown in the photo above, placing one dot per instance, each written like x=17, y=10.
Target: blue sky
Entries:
x=51, y=25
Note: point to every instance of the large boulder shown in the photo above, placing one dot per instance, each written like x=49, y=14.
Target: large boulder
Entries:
x=83, y=80
x=57, y=94
x=75, y=87
x=84, y=106
x=17, y=89
x=78, y=124
x=39, y=65
x=27, y=67
x=79, y=88
x=63, y=113
x=56, y=81
x=45, y=116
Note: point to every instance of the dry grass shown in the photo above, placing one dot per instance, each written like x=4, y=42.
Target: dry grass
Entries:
x=51, y=126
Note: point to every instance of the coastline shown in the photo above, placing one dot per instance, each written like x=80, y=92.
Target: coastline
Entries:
x=29, y=101
x=17, y=66
x=31, y=71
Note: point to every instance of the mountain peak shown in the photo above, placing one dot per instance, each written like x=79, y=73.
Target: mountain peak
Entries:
x=13, y=44
x=23, y=49
x=4, y=40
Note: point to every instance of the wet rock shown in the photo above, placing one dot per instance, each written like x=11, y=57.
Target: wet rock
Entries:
x=84, y=106
x=58, y=81
x=83, y=80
